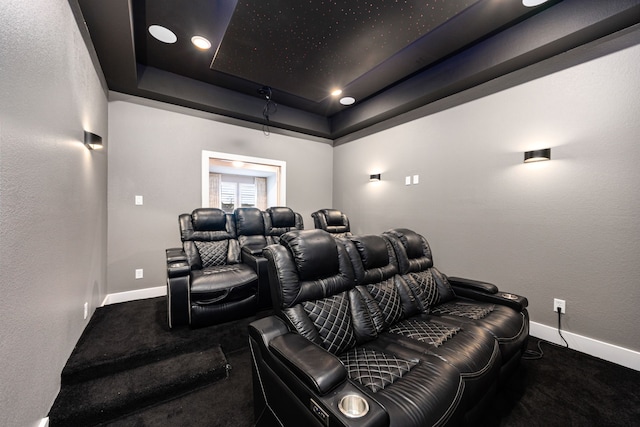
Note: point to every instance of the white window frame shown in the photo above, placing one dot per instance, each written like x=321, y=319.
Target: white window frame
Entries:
x=248, y=160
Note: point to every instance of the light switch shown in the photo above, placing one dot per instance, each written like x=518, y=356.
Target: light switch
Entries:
x=139, y=201
x=139, y=273
x=416, y=179
x=407, y=180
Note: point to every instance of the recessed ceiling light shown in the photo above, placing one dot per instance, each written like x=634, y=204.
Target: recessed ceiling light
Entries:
x=533, y=3
x=200, y=42
x=347, y=100
x=336, y=92
x=163, y=34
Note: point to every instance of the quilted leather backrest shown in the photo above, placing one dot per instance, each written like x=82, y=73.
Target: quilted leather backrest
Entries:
x=250, y=229
x=412, y=250
x=312, y=276
x=209, y=239
x=320, y=264
x=280, y=220
x=331, y=220
x=427, y=284
x=372, y=257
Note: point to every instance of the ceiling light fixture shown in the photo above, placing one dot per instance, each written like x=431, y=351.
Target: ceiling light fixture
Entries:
x=336, y=92
x=347, y=100
x=200, y=42
x=162, y=34
x=533, y=3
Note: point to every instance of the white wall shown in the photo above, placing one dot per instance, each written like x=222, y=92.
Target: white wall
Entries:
x=52, y=201
x=157, y=153
x=568, y=228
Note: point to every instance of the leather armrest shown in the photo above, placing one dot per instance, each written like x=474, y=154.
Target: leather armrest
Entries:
x=516, y=302
x=460, y=282
x=315, y=367
x=252, y=258
x=178, y=269
x=177, y=263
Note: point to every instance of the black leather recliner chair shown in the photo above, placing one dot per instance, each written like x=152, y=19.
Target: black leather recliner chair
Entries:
x=207, y=282
x=332, y=221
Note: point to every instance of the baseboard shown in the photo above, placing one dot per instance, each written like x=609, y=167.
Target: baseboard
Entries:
x=159, y=291
x=44, y=422
x=612, y=353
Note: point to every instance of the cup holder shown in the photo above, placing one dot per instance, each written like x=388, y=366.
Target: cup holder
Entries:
x=509, y=296
x=353, y=406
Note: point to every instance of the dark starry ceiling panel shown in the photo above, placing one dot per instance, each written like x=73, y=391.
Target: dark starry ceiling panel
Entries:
x=308, y=48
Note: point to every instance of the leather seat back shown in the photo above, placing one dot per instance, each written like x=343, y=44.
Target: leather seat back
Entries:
x=376, y=270
x=250, y=230
x=313, y=275
x=415, y=263
x=209, y=238
x=280, y=220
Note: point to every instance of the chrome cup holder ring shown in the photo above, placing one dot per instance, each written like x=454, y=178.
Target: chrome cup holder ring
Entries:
x=353, y=406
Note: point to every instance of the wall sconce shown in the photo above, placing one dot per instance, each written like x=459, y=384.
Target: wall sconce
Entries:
x=92, y=141
x=537, y=155
x=374, y=177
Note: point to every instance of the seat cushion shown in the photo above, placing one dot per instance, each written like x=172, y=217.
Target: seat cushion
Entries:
x=219, y=283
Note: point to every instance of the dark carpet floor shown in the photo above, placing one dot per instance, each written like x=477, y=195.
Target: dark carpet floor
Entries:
x=563, y=388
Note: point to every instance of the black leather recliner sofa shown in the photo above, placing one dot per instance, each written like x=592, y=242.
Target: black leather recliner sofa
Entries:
x=356, y=331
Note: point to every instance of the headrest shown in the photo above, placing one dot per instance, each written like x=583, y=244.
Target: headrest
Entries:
x=282, y=217
x=334, y=216
x=209, y=219
x=249, y=222
x=314, y=252
x=373, y=251
x=373, y=258
x=412, y=242
x=412, y=250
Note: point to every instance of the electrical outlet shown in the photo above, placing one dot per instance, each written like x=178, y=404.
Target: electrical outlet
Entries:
x=139, y=273
x=86, y=310
x=559, y=303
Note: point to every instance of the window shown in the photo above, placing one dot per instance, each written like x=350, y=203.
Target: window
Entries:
x=228, y=196
x=248, y=196
x=231, y=181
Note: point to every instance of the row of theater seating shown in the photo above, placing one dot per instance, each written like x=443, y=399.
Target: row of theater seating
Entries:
x=219, y=273
x=366, y=332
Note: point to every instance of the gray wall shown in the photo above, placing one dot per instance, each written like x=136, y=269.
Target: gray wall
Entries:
x=53, y=194
x=157, y=153
x=568, y=228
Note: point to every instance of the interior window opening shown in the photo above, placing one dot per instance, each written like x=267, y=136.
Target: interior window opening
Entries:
x=231, y=181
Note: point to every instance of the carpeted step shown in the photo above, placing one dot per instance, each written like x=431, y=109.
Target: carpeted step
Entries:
x=126, y=335
x=106, y=398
